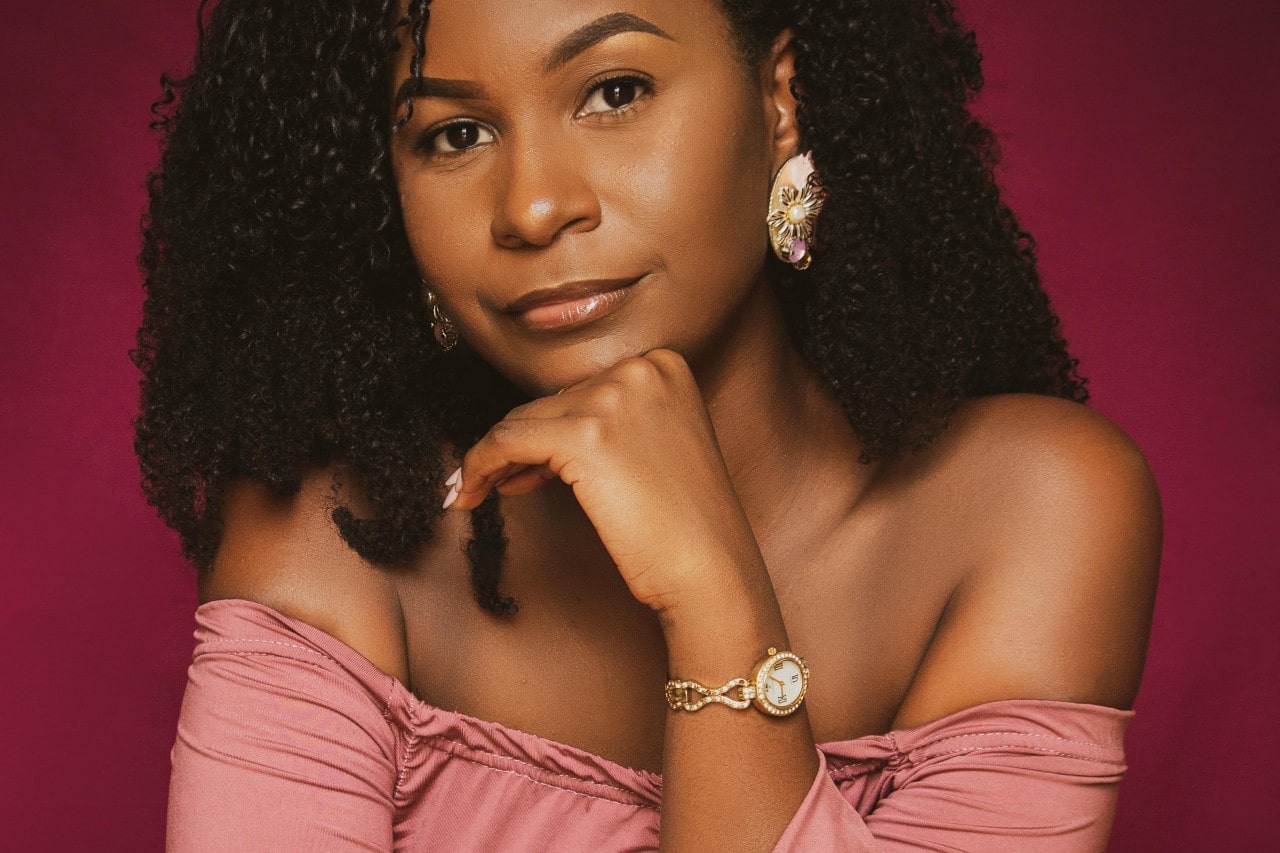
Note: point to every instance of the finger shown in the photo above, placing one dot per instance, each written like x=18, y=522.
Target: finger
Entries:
x=670, y=362
x=551, y=406
x=455, y=483
x=529, y=480
x=553, y=443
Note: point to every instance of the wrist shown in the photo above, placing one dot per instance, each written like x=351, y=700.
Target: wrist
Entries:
x=715, y=639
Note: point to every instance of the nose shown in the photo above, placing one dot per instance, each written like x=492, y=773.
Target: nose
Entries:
x=544, y=196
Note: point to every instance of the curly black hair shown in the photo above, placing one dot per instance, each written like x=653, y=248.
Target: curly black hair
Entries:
x=285, y=324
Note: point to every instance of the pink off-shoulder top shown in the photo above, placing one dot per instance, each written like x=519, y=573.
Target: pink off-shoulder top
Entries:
x=290, y=740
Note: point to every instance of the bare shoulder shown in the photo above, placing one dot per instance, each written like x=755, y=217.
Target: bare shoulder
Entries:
x=286, y=553
x=1046, y=454
x=1039, y=424
x=1059, y=605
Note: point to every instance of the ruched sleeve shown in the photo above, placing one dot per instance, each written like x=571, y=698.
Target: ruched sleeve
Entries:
x=1021, y=775
x=280, y=745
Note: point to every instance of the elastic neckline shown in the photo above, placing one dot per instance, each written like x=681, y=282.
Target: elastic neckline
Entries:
x=557, y=758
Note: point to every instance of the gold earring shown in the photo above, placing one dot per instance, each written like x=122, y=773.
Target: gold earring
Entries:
x=795, y=200
x=441, y=325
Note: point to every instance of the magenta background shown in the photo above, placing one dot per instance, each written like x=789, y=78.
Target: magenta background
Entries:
x=1140, y=143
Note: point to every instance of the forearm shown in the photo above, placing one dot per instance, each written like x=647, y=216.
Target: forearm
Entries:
x=731, y=778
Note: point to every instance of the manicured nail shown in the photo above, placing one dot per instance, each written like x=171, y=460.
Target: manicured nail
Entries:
x=453, y=478
x=451, y=497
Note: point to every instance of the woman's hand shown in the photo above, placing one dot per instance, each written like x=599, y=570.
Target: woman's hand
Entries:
x=636, y=444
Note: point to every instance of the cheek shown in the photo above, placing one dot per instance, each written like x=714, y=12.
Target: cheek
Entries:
x=447, y=228
x=699, y=195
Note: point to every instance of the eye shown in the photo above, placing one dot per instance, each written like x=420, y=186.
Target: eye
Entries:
x=457, y=138
x=615, y=95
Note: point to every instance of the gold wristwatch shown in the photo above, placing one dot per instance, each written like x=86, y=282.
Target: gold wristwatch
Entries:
x=776, y=687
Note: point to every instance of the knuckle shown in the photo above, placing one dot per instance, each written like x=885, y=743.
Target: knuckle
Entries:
x=669, y=361
x=521, y=410
x=637, y=369
x=665, y=357
x=502, y=433
x=608, y=397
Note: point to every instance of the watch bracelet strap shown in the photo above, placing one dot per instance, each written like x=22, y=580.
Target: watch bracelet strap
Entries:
x=685, y=695
x=681, y=694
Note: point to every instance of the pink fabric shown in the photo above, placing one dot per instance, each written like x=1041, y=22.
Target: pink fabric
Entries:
x=291, y=740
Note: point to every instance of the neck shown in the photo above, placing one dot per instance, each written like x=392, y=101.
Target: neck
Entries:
x=784, y=437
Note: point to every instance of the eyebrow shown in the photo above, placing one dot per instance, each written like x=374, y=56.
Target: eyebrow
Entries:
x=437, y=87
x=595, y=32
x=569, y=47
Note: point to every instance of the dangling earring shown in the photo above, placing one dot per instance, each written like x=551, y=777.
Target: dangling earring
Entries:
x=441, y=325
x=794, y=203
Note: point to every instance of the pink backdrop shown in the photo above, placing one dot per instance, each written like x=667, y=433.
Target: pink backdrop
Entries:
x=1140, y=143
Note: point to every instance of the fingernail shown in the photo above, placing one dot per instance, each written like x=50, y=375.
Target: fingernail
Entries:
x=453, y=478
x=451, y=497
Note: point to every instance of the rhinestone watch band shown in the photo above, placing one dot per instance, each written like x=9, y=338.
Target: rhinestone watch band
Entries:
x=680, y=694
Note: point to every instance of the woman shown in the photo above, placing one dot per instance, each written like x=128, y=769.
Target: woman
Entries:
x=555, y=395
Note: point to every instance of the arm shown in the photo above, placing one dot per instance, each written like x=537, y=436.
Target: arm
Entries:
x=1059, y=610
x=1011, y=776
x=279, y=747
x=282, y=743
x=731, y=774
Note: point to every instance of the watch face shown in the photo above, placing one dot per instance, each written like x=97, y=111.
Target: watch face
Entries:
x=782, y=683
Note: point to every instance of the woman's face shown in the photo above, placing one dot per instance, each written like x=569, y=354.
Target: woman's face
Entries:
x=618, y=151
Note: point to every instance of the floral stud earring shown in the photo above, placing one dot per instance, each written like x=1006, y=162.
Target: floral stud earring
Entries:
x=441, y=325
x=794, y=203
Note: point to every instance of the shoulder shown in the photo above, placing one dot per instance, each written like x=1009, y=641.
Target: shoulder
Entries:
x=1058, y=603
x=1035, y=428
x=286, y=553
x=1038, y=471
x=1029, y=454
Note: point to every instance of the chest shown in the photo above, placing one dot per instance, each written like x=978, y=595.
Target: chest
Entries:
x=583, y=664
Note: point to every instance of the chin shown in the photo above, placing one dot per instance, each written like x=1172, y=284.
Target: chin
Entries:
x=547, y=371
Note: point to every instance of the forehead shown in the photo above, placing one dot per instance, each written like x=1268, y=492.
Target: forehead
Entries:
x=494, y=36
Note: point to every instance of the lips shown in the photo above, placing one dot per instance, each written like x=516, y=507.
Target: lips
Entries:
x=571, y=304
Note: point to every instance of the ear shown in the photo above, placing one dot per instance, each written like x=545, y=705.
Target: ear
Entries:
x=779, y=103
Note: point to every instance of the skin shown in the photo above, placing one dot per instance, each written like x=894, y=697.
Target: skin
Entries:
x=693, y=495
